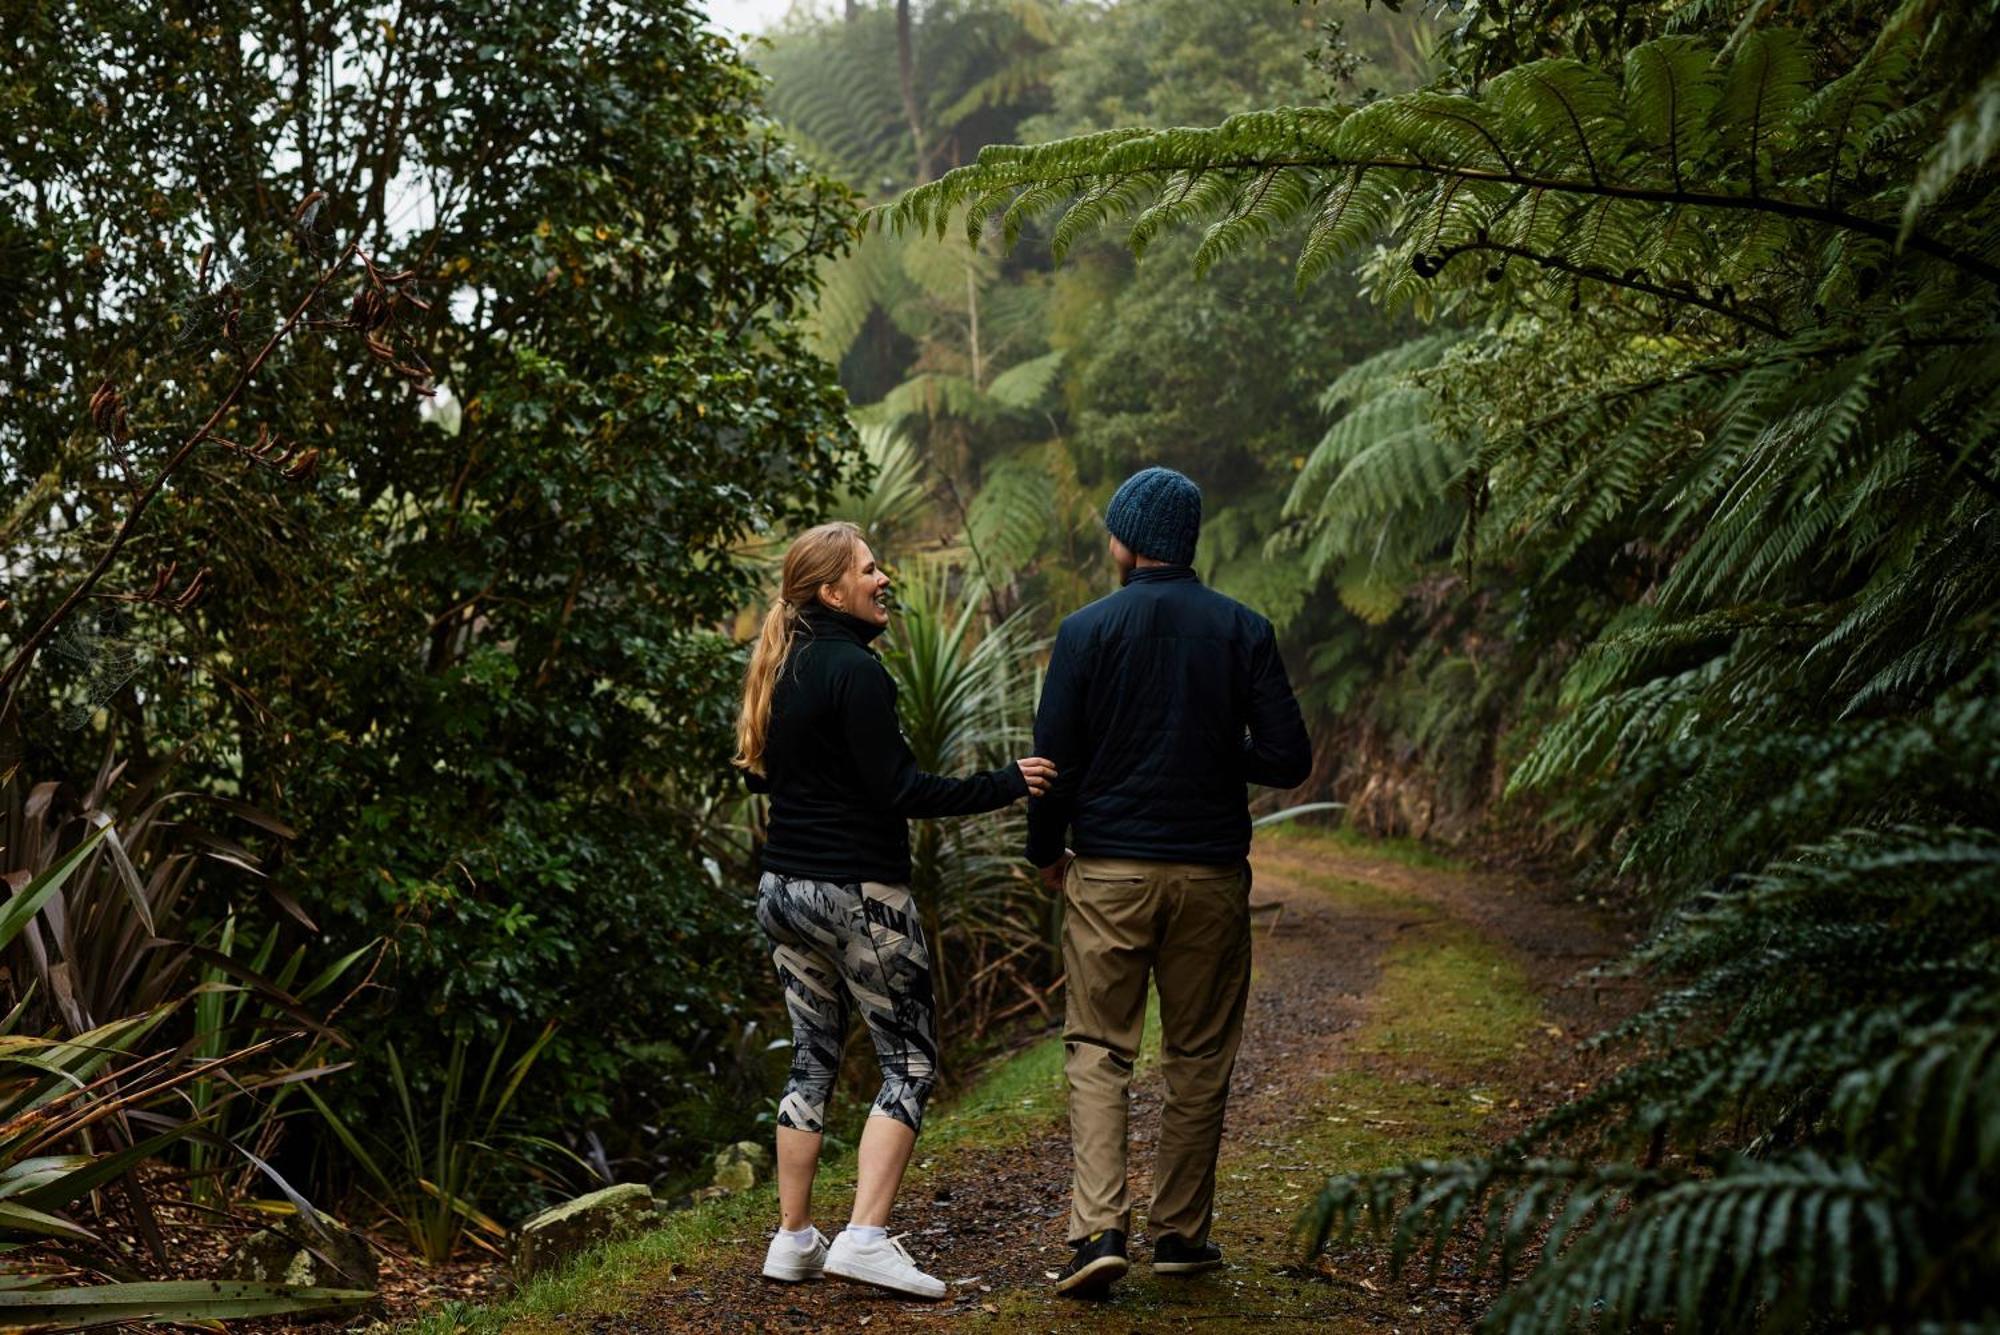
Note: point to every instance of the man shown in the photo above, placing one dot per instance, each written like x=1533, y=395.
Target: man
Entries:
x=1162, y=701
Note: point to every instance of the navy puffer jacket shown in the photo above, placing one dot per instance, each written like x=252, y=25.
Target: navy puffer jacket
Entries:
x=1162, y=701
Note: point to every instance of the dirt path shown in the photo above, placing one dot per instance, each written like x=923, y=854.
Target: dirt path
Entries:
x=1396, y=1011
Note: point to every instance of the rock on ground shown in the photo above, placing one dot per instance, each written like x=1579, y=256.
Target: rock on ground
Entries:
x=292, y=1253
x=561, y=1231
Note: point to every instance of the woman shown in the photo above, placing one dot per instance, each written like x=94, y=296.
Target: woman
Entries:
x=818, y=732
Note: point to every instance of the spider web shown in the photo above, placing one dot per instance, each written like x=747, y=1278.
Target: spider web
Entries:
x=95, y=653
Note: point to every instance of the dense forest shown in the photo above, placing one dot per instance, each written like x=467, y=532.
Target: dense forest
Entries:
x=404, y=407
x=1701, y=419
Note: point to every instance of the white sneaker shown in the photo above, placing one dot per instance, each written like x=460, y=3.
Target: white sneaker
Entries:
x=884, y=1264
x=783, y=1260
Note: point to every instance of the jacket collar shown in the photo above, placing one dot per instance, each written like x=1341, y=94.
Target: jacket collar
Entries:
x=824, y=621
x=1161, y=575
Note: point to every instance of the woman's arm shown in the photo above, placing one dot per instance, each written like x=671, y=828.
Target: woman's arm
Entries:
x=889, y=775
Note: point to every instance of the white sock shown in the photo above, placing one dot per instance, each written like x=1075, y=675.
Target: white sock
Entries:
x=802, y=1238
x=867, y=1234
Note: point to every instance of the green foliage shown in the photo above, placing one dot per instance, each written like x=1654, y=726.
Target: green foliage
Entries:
x=472, y=663
x=1869, y=1085
x=1375, y=495
x=994, y=369
x=86, y=1104
x=1008, y=521
x=895, y=494
x=434, y=1168
x=835, y=83
x=98, y=935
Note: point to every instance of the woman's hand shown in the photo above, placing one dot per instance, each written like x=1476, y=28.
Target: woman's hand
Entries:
x=1039, y=773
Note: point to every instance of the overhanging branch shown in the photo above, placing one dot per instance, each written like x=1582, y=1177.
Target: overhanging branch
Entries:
x=1676, y=196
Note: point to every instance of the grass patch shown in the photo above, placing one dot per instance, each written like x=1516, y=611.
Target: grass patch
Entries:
x=1451, y=1000
x=1308, y=832
x=601, y=1280
x=1367, y=896
x=1020, y=1095
x=1449, y=1010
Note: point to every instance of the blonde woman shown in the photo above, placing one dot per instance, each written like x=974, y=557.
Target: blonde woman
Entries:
x=818, y=732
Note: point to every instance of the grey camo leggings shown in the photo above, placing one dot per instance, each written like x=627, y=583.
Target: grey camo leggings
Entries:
x=844, y=946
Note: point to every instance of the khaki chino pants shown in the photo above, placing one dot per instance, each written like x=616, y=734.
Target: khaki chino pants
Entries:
x=1189, y=927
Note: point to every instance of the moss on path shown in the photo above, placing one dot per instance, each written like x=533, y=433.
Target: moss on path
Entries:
x=1391, y=1018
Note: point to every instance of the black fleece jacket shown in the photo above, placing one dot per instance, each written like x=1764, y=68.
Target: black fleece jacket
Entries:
x=1162, y=701
x=842, y=781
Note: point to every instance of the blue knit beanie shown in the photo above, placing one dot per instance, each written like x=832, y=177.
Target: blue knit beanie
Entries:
x=1157, y=513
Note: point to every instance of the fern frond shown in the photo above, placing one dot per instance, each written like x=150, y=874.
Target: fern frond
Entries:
x=1007, y=519
x=1969, y=142
x=1023, y=385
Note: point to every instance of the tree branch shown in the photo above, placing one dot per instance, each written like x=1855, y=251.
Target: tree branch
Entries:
x=1680, y=197
x=16, y=669
x=1686, y=296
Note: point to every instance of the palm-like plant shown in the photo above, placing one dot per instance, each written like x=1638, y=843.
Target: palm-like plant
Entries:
x=966, y=693
x=894, y=496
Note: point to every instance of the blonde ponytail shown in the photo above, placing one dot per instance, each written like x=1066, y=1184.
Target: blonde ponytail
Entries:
x=767, y=660
x=818, y=556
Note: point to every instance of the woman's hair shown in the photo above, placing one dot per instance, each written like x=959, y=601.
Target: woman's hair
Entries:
x=817, y=556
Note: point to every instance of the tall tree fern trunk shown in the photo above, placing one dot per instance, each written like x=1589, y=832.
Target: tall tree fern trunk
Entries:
x=906, y=73
x=972, y=315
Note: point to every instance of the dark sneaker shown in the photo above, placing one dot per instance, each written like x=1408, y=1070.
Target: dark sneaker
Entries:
x=1098, y=1264
x=1173, y=1256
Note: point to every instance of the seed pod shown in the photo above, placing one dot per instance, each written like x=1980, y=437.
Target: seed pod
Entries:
x=307, y=213
x=371, y=310
x=107, y=414
x=196, y=587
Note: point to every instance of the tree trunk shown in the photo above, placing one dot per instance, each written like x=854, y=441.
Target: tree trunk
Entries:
x=972, y=309
x=906, y=73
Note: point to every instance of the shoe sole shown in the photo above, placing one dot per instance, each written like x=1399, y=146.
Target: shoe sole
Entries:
x=799, y=1277
x=1094, y=1280
x=886, y=1286
x=1185, y=1267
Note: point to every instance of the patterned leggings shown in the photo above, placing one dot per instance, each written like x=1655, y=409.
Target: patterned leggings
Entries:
x=844, y=946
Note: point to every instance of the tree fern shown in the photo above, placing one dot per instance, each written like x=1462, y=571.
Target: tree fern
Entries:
x=1006, y=522
x=894, y=493
x=1024, y=385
